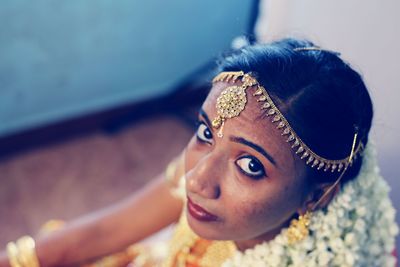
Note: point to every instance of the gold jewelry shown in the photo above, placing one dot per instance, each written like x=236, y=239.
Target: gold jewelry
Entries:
x=12, y=253
x=298, y=229
x=232, y=101
x=188, y=249
x=51, y=226
x=27, y=253
x=22, y=253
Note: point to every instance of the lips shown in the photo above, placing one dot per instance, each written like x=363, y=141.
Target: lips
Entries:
x=199, y=213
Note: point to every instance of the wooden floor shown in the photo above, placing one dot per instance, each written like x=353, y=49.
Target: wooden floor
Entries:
x=82, y=174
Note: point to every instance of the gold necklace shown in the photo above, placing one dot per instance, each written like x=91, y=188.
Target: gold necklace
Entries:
x=189, y=250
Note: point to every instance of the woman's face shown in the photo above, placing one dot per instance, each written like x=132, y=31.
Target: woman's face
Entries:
x=246, y=185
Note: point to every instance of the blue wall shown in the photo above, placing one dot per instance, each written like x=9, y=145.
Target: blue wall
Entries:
x=62, y=59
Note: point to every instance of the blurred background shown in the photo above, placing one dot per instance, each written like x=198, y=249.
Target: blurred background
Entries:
x=92, y=92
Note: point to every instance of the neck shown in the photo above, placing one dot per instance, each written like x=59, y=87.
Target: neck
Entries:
x=242, y=245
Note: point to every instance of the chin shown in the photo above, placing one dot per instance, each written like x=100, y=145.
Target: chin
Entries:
x=207, y=230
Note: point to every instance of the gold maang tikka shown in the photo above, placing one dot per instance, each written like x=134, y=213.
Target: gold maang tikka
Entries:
x=232, y=101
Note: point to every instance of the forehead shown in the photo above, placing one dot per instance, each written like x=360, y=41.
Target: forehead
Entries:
x=252, y=124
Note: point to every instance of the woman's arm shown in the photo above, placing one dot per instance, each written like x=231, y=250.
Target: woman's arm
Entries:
x=111, y=229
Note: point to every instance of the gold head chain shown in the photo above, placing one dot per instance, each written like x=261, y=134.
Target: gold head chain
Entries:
x=299, y=228
x=232, y=101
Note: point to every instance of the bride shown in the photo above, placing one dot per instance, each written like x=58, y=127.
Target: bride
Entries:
x=279, y=173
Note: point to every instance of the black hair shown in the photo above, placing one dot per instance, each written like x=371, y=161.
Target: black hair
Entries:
x=322, y=97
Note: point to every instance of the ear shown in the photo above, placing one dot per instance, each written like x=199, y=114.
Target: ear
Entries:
x=321, y=196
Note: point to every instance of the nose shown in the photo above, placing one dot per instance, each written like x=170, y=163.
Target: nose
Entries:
x=204, y=179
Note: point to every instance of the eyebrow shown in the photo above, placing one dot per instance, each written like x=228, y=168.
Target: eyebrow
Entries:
x=205, y=116
x=256, y=147
x=241, y=140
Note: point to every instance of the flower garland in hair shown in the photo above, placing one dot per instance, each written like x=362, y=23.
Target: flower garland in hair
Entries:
x=357, y=229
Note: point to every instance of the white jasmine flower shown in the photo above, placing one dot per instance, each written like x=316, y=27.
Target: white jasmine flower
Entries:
x=324, y=258
x=360, y=225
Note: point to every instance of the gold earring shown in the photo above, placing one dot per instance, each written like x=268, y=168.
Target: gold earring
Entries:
x=298, y=229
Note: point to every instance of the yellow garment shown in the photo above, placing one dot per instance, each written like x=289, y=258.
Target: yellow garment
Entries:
x=186, y=249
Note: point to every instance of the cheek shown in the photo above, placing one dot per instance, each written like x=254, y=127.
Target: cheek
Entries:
x=255, y=211
x=254, y=215
x=251, y=211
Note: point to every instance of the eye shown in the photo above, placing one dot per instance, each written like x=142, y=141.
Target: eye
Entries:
x=251, y=166
x=203, y=133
